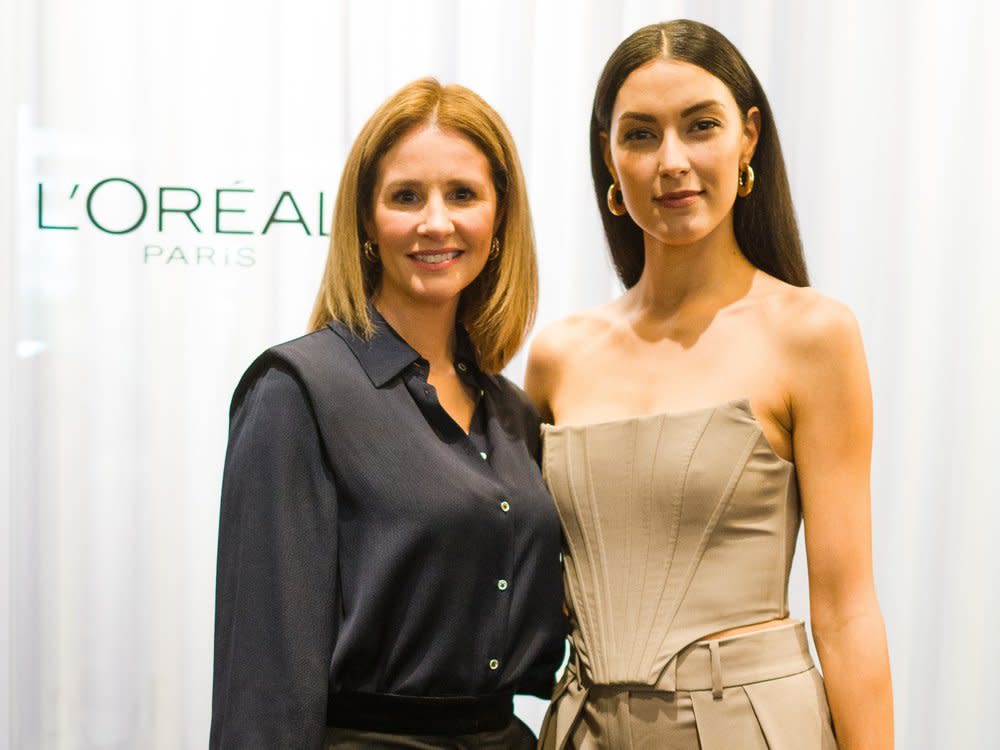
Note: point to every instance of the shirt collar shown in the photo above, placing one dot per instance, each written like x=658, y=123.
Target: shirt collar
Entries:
x=385, y=355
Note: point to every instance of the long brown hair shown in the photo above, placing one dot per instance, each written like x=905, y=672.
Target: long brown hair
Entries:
x=497, y=309
x=764, y=221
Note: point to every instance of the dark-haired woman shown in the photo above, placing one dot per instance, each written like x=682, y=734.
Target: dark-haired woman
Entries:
x=695, y=421
x=388, y=569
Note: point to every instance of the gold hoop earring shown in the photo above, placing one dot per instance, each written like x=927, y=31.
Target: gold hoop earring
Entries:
x=745, y=180
x=369, y=250
x=495, y=248
x=616, y=207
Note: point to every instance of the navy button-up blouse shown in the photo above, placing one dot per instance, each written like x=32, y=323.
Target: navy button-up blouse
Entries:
x=367, y=543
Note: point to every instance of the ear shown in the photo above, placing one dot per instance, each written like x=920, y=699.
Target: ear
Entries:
x=751, y=133
x=368, y=227
x=606, y=153
x=501, y=209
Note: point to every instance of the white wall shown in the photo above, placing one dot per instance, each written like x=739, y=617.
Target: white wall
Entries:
x=8, y=56
x=117, y=368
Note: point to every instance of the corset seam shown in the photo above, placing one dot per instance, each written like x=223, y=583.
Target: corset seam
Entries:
x=593, y=621
x=635, y=497
x=606, y=624
x=678, y=511
x=708, y=531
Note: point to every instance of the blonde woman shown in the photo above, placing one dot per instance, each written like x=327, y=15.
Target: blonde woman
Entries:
x=388, y=555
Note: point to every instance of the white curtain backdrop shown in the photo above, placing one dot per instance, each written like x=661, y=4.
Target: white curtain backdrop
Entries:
x=121, y=345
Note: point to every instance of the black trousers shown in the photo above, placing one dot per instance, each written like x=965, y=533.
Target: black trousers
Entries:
x=516, y=736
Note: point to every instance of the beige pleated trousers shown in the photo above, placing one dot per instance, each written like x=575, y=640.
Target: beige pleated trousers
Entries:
x=756, y=691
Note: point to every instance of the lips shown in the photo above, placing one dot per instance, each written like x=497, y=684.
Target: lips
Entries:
x=435, y=258
x=677, y=198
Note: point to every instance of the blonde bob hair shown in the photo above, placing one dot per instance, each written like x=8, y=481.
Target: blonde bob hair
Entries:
x=498, y=308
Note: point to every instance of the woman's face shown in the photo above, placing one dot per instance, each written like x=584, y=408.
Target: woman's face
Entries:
x=434, y=214
x=675, y=148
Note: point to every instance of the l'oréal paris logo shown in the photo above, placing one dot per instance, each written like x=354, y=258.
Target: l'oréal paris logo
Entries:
x=216, y=224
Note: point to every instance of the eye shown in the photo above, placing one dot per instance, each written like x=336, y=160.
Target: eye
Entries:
x=405, y=196
x=702, y=126
x=639, y=134
x=462, y=194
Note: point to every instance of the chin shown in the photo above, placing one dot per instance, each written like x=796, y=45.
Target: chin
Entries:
x=683, y=234
x=679, y=239
x=435, y=296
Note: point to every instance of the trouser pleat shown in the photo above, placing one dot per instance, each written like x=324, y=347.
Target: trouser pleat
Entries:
x=726, y=722
x=807, y=726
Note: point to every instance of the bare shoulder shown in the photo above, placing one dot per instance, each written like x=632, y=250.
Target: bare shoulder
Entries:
x=810, y=325
x=558, y=340
x=556, y=345
x=822, y=357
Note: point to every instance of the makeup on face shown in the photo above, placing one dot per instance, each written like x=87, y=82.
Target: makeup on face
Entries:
x=434, y=209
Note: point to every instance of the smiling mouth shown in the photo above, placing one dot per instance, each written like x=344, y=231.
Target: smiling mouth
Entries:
x=436, y=257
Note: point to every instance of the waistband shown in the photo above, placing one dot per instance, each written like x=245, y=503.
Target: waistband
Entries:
x=408, y=714
x=714, y=664
x=711, y=664
x=767, y=654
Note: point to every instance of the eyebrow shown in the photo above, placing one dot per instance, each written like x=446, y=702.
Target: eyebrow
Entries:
x=408, y=183
x=644, y=117
x=641, y=116
x=707, y=104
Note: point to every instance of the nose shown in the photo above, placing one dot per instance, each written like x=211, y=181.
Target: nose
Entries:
x=437, y=218
x=673, y=159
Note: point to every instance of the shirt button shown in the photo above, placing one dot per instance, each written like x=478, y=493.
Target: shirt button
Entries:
x=504, y=506
x=462, y=367
x=494, y=664
x=502, y=584
x=483, y=454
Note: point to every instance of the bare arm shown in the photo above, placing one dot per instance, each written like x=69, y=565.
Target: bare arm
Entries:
x=540, y=376
x=831, y=436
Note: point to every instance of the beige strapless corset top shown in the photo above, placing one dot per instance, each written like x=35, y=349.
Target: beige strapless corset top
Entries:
x=676, y=526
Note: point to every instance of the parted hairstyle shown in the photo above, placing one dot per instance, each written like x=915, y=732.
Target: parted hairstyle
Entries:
x=764, y=222
x=498, y=308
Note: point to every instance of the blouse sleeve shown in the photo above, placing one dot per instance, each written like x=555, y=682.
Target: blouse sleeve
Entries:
x=276, y=585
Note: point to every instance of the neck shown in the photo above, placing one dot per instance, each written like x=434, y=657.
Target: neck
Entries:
x=678, y=278
x=429, y=329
